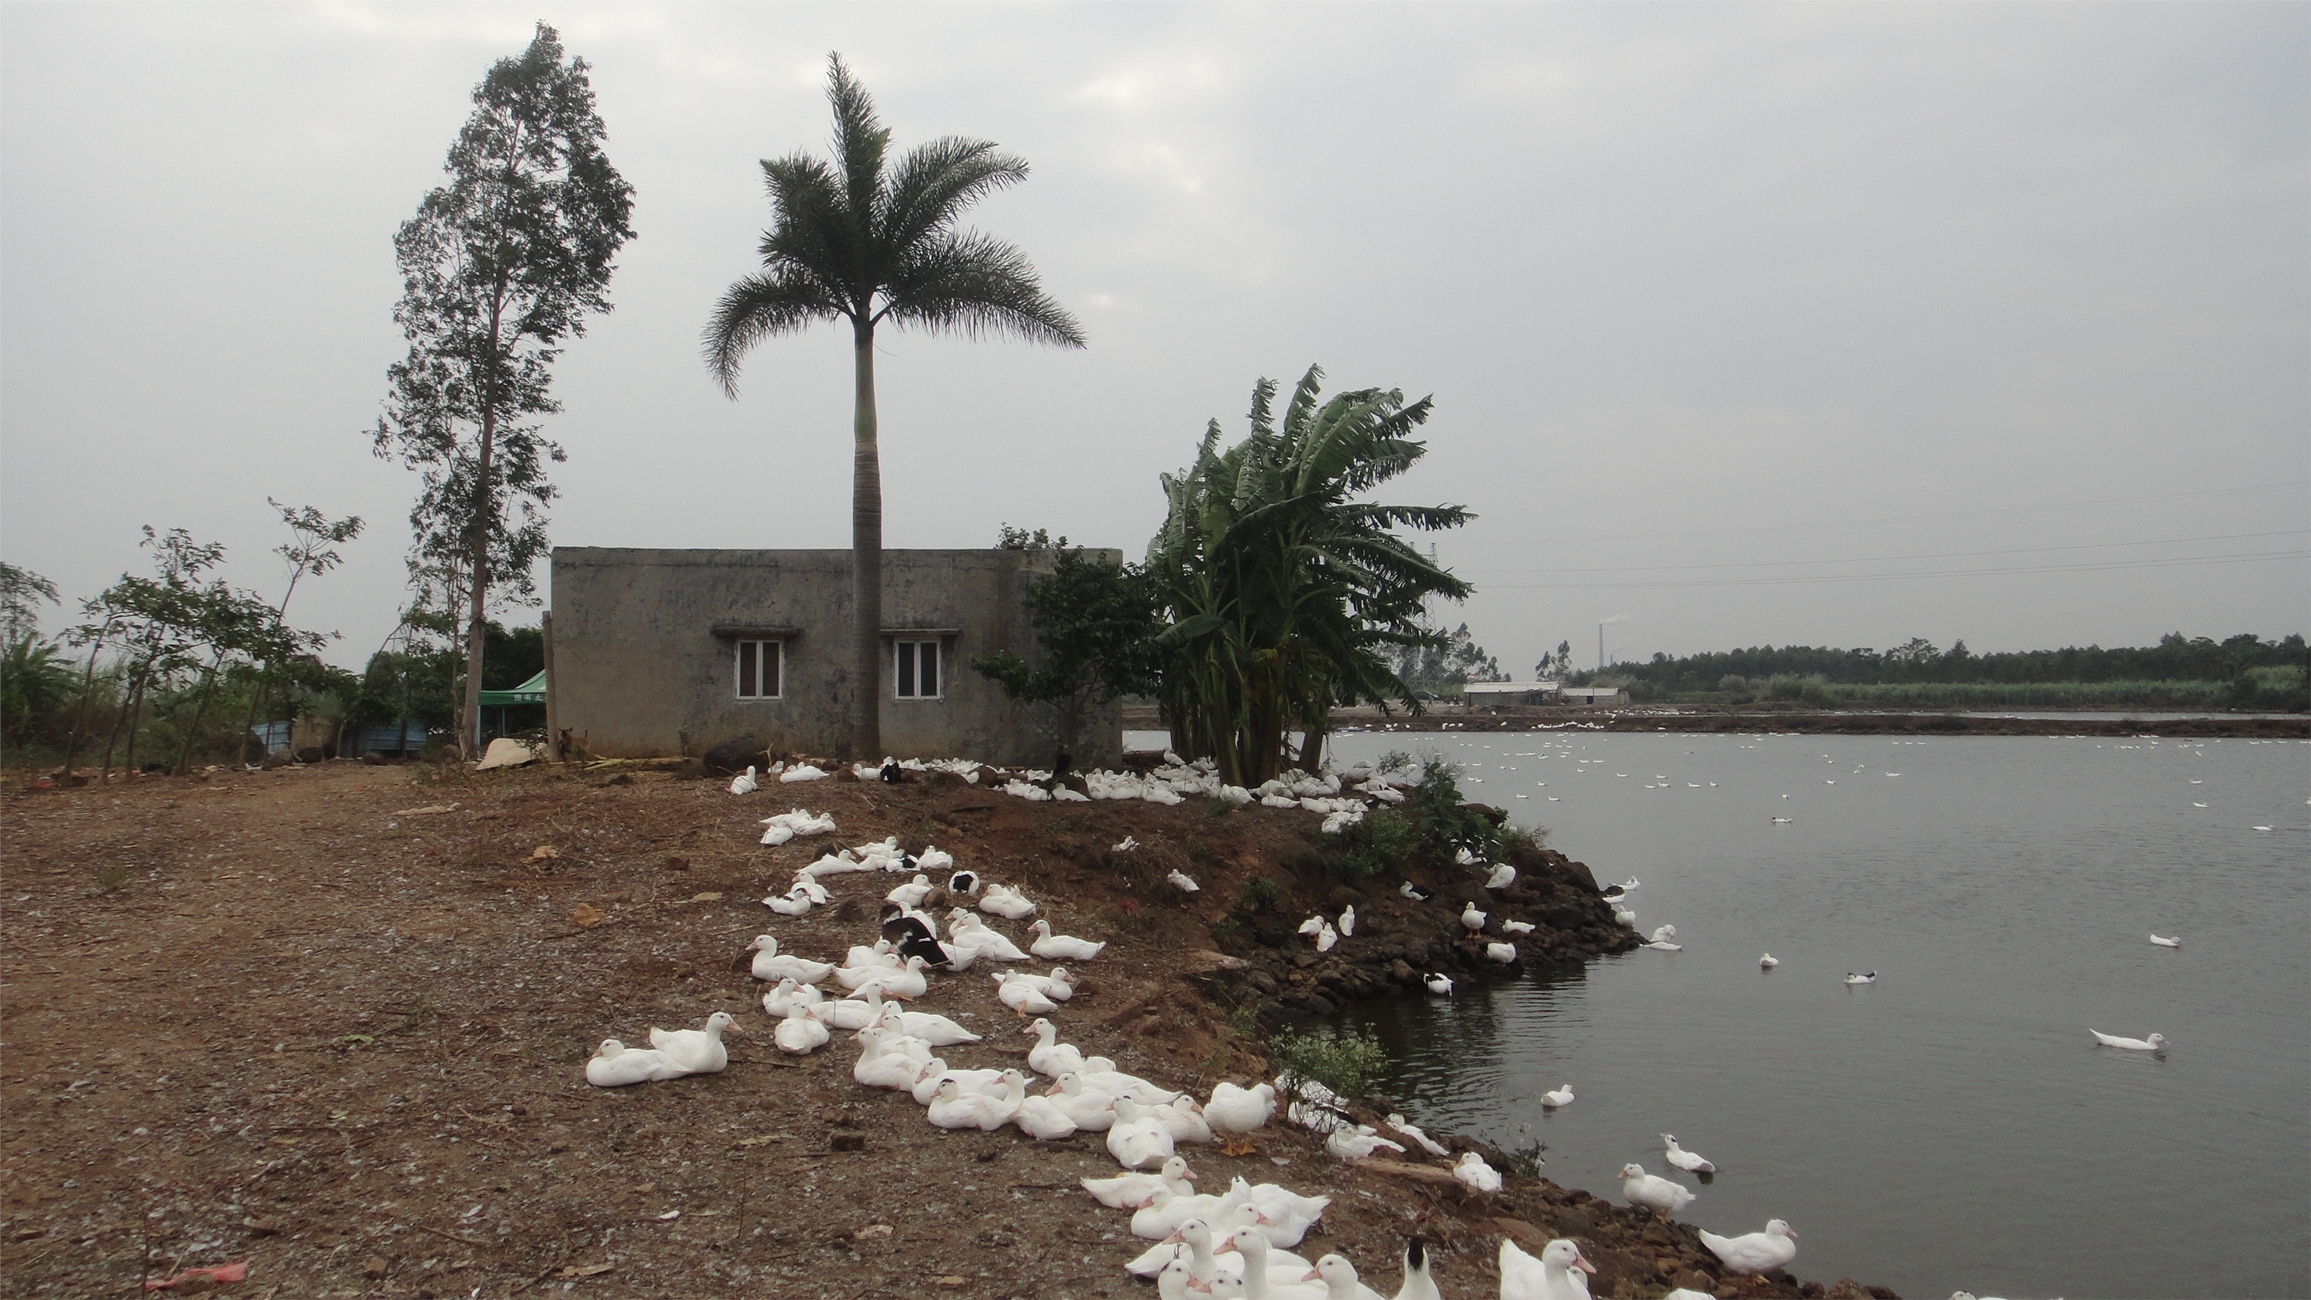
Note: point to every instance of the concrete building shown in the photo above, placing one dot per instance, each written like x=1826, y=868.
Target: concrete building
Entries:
x=1482, y=694
x=673, y=651
x=1595, y=695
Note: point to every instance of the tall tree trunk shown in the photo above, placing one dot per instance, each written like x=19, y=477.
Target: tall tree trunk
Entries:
x=80, y=719
x=183, y=764
x=866, y=556
x=477, y=628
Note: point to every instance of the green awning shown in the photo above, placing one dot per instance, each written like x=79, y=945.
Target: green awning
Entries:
x=532, y=691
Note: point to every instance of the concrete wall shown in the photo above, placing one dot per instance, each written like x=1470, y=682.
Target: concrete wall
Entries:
x=645, y=644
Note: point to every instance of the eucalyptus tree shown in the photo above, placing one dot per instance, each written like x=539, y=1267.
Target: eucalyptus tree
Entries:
x=1287, y=592
x=857, y=241
x=500, y=267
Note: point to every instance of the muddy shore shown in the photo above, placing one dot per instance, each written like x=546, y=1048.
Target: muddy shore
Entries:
x=332, y=1020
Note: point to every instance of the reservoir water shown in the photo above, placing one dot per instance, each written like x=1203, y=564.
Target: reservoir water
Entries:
x=1952, y=1125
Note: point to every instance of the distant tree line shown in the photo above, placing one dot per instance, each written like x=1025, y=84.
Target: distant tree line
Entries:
x=2244, y=671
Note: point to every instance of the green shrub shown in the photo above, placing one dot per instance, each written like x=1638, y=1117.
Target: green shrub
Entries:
x=1345, y=1061
x=1382, y=842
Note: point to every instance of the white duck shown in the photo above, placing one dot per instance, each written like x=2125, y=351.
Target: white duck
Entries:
x=1684, y=1159
x=1518, y=927
x=1661, y=932
x=877, y=1068
x=911, y=894
x=1050, y=1057
x=1358, y=1143
x=1184, y=1119
x=1007, y=902
x=1059, y=986
x=1062, y=947
x=1558, y=1097
x=1654, y=1193
x=1502, y=877
x=1663, y=945
x=951, y=1107
x=1136, y=1138
x=1472, y=919
x=1022, y=996
x=868, y=956
x=1091, y=1110
x=968, y=931
x=1473, y=1173
x=936, y=1030
x=615, y=1065
x=1183, y=882
x=744, y=783
x=1504, y=953
x=906, y=981
x=1625, y=916
x=1340, y=1281
x=800, y=1033
x=2154, y=1043
x=1755, y=1252
x=1557, y=1275
x=789, y=994
x=2175, y=942
x=1870, y=978
x=1768, y=962
x=1439, y=984
x=697, y=1051
x=796, y=902
x=1326, y=937
x=1038, y=1117
x=925, y=1089
x=1267, y=1272
x=1410, y=1130
x=770, y=965
x=1234, y=1109
x=1100, y=1072
x=1285, y=1215
x=1131, y=1191
x=1348, y=919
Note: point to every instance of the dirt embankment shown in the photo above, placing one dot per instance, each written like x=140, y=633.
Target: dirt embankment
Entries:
x=332, y=1021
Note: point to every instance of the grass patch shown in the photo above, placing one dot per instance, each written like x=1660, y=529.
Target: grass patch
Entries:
x=1345, y=1061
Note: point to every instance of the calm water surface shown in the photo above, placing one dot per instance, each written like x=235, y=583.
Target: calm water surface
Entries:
x=1953, y=1125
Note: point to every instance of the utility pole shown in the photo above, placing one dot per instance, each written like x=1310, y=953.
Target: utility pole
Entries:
x=1600, y=647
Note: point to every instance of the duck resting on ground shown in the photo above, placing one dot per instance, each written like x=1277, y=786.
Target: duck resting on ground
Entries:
x=1659, y=1195
x=1755, y=1252
x=615, y=1065
x=1473, y=1173
x=1062, y=947
x=697, y=1051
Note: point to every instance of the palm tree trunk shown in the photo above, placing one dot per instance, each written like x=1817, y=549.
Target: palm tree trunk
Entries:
x=866, y=556
x=80, y=719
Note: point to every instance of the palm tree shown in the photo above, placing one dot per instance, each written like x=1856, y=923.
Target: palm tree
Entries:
x=855, y=241
x=1286, y=590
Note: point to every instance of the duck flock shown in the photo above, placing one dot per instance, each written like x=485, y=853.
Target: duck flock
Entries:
x=1239, y=1242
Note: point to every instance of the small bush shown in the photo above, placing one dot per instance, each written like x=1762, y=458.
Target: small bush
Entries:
x=1514, y=837
x=1345, y=1061
x=110, y=877
x=1384, y=841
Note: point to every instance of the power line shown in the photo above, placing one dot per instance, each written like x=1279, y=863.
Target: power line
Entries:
x=2095, y=567
x=1890, y=559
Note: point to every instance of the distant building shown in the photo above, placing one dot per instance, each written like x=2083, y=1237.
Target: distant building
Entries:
x=1595, y=695
x=674, y=651
x=1481, y=694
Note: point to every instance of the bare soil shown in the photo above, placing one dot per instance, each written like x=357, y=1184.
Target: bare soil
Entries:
x=299, y=1018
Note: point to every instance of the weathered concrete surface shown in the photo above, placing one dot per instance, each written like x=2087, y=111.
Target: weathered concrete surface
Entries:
x=645, y=648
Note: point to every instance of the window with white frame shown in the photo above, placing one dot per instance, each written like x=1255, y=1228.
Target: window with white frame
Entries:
x=918, y=670
x=758, y=669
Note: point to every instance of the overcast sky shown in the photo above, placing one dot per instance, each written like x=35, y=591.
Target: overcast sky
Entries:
x=1729, y=311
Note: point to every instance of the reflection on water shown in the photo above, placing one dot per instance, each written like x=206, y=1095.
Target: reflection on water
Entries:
x=1951, y=1126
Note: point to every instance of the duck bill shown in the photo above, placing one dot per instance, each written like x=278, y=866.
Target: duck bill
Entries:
x=1582, y=1263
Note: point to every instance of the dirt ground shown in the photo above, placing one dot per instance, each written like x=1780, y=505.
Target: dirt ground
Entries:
x=332, y=1021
